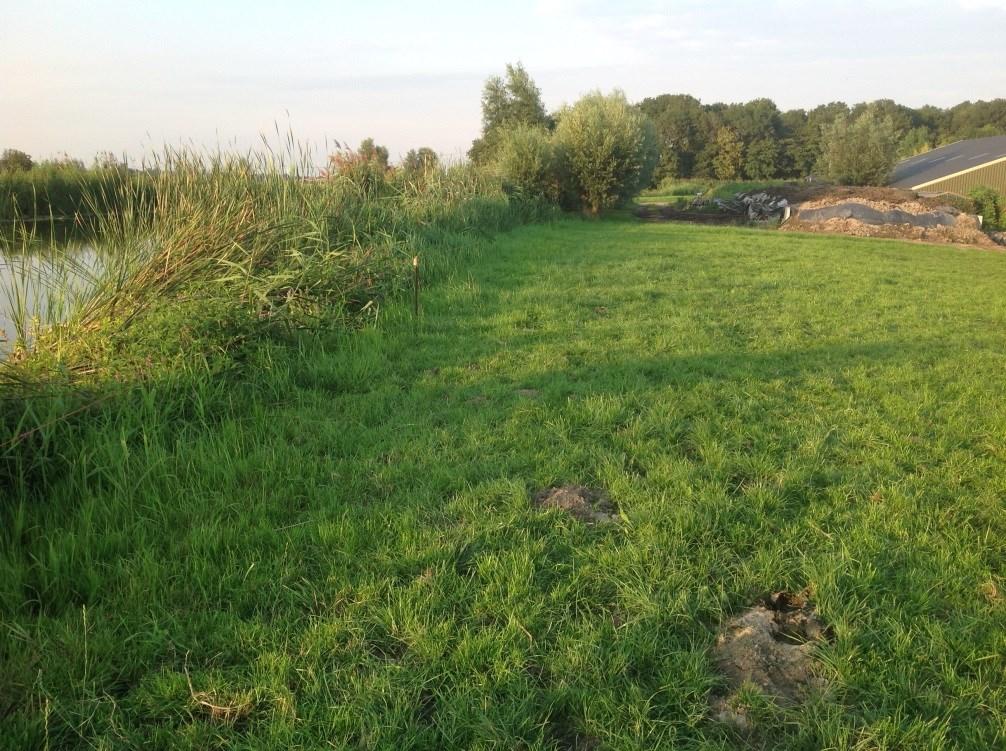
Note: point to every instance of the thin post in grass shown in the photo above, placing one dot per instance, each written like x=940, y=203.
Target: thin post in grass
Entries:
x=415, y=289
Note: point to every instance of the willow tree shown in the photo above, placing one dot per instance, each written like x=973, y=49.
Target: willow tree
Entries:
x=609, y=149
x=861, y=151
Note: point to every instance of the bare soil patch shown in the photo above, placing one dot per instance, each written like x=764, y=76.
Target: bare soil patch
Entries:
x=770, y=647
x=585, y=504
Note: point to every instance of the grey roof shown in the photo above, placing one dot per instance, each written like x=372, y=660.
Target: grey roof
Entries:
x=948, y=160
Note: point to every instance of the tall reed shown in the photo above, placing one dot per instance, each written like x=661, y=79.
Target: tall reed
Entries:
x=206, y=254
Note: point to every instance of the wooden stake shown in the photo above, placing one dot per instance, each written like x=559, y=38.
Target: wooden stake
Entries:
x=415, y=287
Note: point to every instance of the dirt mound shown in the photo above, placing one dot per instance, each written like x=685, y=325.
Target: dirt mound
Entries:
x=879, y=212
x=770, y=647
x=964, y=231
x=882, y=212
x=822, y=194
x=587, y=505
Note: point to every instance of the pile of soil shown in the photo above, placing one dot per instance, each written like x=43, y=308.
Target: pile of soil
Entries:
x=964, y=231
x=585, y=504
x=824, y=194
x=770, y=647
x=907, y=215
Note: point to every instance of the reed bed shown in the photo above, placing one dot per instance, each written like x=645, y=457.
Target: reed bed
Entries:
x=63, y=192
x=203, y=258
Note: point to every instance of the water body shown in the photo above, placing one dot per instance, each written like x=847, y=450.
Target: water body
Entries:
x=42, y=283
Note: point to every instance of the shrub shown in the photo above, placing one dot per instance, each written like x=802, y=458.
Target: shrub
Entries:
x=527, y=162
x=367, y=167
x=419, y=162
x=728, y=149
x=13, y=160
x=608, y=149
x=991, y=205
x=861, y=152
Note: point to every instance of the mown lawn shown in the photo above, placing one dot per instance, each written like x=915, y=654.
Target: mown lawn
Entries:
x=340, y=551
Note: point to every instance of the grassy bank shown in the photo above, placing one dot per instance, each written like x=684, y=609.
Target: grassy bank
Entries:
x=199, y=266
x=337, y=548
x=246, y=233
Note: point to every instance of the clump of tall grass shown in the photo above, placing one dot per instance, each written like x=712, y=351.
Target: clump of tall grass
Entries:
x=252, y=231
x=208, y=253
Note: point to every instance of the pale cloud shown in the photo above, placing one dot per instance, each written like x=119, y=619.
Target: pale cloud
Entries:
x=983, y=5
x=130, y=76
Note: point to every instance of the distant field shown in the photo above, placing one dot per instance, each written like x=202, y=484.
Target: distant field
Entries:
x=341, y=551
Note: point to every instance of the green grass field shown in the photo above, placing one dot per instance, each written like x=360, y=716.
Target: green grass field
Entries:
x=338, y=549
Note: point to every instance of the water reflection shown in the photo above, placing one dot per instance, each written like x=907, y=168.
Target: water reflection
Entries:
x=41, y=282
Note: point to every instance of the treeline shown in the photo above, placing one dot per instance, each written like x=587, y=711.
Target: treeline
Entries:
x=589, y=156
x=597, y=152
x=756, y=140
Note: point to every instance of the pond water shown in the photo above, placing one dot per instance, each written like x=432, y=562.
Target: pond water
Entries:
x=42, y=283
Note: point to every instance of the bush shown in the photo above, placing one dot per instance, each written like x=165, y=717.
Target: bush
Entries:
x=367, y=167
x=608, y=148
x=991, y=205
x=13, y=160
x=729, y=149
x=861, y=152
x=527, y=163
x=418, y=163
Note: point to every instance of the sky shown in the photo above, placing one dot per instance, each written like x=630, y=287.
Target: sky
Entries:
x=130, y=77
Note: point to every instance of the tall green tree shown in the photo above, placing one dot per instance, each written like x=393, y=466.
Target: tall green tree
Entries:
x=916, y=141
x=680, y=124
x=757, y=120
x=513, y=99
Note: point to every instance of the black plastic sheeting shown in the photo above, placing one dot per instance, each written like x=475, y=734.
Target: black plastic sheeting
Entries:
x=869, y=215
